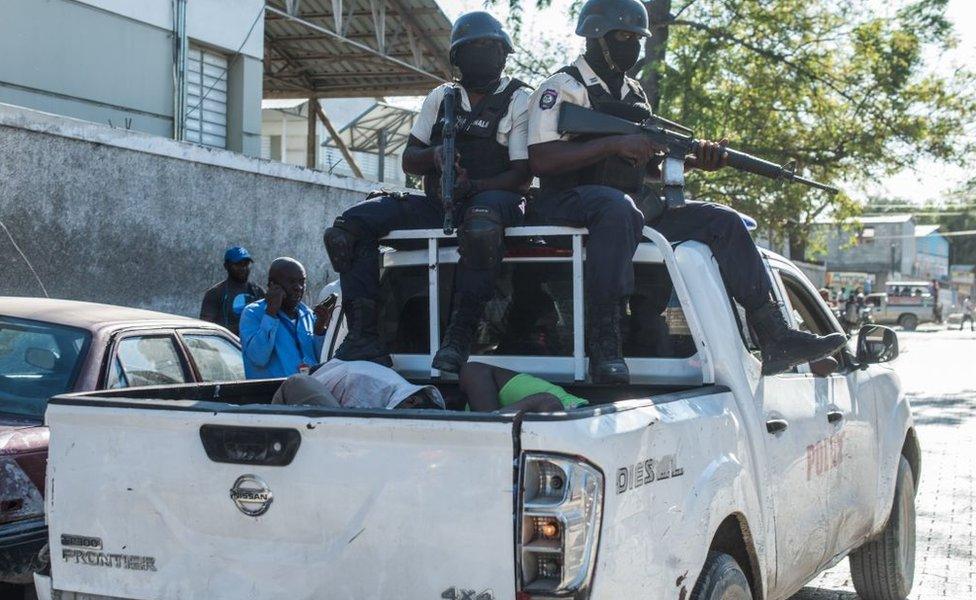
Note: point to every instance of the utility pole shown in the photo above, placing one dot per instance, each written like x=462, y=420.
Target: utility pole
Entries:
x=310, y=144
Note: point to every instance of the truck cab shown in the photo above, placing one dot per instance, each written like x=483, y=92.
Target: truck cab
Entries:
x=701, y=473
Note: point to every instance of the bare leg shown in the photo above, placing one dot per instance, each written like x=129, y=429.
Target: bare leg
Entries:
x=481, y=384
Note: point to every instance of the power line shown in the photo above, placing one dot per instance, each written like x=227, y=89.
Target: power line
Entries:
x=963, y=233
x=26, y=260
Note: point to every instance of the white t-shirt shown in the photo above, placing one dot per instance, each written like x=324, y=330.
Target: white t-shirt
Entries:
x=561, y=87
x=365, y=384
x=512, y=129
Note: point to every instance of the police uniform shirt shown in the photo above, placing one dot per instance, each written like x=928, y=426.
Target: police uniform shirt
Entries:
x=512, y=129
x=561, y=87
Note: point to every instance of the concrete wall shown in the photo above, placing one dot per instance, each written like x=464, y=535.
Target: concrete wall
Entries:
x=132, y=219
x=817, y=274
x=111, y=61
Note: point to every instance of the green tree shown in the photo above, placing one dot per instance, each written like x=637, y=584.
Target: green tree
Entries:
x=829, y=84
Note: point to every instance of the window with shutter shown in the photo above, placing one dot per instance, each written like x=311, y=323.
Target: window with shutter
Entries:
x=206, y=97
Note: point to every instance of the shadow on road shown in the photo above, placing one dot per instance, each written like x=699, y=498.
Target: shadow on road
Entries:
x=945, y=409
x=813, y=593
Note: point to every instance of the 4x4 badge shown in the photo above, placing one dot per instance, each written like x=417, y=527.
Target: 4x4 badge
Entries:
x=461, y=594
x=252, y=495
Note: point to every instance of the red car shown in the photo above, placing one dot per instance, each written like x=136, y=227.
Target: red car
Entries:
x=50, y=347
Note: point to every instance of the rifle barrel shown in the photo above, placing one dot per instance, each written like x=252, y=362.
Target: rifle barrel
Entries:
x=816, y=184
x=578, y=120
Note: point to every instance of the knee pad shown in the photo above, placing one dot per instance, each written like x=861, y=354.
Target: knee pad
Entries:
x=340, y=243
x=481, y=239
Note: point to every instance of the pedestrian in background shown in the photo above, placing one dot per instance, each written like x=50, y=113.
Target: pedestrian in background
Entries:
x=281, y=335
x=225, y=301
x=967, y=314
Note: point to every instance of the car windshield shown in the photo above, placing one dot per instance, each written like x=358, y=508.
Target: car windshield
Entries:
x=37, y=360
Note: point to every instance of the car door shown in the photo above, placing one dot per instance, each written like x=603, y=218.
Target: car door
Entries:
x=847, y=459
x=151, y=357
x=794, y=407
x=213, y=356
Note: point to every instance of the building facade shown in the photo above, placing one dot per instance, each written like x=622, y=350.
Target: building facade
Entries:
x=883, y=247
x=931, y=254
x=188, y=70
x=963, y=282
x=284, y=137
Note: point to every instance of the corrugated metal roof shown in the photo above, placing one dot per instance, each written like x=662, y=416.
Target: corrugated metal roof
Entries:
x=394, y=123
x=924, y=230
x=878, y=219
x=282, y=103
x=365, y=48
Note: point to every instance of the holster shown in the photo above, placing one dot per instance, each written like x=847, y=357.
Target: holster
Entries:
x=614, y=172
x=650, y=201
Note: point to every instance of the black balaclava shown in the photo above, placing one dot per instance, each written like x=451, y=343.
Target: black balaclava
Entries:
x=481, y=66
x=611, y=58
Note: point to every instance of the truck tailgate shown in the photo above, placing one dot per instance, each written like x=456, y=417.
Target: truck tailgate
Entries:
x=399, y=507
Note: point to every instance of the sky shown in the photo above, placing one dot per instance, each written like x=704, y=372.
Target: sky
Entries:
x=927, y=181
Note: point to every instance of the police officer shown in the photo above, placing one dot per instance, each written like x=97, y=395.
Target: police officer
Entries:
x=493, y=160
x=590, y=182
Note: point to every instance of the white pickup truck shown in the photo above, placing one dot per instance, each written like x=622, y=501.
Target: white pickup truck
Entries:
x=700, y=480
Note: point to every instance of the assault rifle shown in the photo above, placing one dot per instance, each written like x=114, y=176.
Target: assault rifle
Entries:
x=680, y=142
x=448, y=174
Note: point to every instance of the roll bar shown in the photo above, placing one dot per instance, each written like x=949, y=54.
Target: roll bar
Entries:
x=433, y=237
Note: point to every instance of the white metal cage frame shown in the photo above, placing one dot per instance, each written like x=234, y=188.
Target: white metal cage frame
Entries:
x=696, y=369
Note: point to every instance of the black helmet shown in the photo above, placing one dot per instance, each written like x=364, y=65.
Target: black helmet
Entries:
x=599, y=17
x=480, y=26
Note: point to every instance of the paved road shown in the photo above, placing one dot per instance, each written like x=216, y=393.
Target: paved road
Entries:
x=938, y=371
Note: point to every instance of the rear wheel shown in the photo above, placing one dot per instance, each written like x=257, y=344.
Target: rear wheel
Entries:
x=721, y=579
x=908, y=322
x=884, y=568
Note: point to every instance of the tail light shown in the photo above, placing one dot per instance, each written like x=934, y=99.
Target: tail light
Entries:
x=560, y=509
x=19, y=497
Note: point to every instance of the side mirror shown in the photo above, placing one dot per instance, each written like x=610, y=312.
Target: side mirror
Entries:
x=876, y=344
x=42, y=358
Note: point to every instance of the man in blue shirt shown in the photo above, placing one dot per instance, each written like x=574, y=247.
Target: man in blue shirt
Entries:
x=280, y=335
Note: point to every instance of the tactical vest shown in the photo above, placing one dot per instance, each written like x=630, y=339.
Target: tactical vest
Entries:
x=475, y=138
x=613, y=171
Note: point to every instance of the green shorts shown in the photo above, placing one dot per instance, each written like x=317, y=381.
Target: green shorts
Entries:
x=522, y=386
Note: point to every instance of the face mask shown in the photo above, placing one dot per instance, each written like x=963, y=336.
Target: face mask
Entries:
x=481, y=66
x=623, y=55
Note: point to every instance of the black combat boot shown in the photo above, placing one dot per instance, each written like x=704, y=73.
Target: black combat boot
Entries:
x=362, y=341
x=605, y=340
x=782, y=347
x=456, y=346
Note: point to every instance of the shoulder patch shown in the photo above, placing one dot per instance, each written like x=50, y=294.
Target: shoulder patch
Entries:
x=548, y=99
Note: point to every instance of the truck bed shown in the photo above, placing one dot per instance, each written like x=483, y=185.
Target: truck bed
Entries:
x=256, y=395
